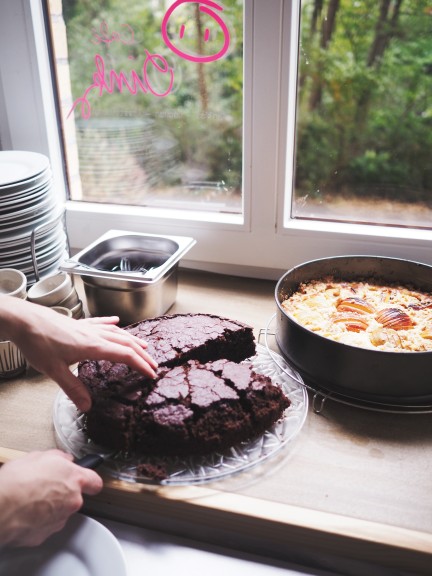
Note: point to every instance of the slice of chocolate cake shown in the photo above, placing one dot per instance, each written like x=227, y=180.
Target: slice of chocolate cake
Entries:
x=172, y=340
x=192, y=409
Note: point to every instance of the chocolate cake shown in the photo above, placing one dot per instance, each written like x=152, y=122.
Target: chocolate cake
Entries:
x=172, y=340
x=202, y=400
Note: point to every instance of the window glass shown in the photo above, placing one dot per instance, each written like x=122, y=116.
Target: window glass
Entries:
x=364, y=112
x=151, y=97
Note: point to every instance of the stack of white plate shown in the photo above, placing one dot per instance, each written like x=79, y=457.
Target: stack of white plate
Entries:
x=30, y=213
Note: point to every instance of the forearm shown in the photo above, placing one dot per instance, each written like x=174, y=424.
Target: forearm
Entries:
x=6, y=515
x=13, y=317
x=10, y=508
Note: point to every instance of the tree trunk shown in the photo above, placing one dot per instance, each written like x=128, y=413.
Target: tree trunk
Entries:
x=385, y=29
x=313, y=26
x=329, y=24
x=328, y=27
x=202, y=83
x=316, y=14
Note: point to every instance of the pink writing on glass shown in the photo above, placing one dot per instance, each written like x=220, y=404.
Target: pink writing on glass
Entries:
x=207, y=7
x=108, y=81
x=104, y=37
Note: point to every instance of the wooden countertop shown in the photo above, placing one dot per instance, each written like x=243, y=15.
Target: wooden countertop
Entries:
x=355, y=482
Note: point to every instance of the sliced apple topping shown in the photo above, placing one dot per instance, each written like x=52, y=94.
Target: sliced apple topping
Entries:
x=394, y=318
x=353, y=321
x=354, y=304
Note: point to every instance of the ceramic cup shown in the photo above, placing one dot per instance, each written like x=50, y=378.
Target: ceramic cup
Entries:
x=13, y=283
x=71, y=300
x=62, y=310
x=78, y=311
x=51, y=290
x=12, y=361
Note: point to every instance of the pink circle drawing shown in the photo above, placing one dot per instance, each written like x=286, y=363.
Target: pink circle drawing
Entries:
x=207, y=7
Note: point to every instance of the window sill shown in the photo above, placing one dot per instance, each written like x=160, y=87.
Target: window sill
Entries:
x=153, y=213
x=341, y=229
x=226, y=244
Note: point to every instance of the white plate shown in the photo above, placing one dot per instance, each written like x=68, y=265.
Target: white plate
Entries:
x=17, y=166
x=25, y=213
x=26, y=187
x=26, y=196
x=254, y=457
x=11, y=245
x=24, y=258
x=30, y=197
x=25, y=229
x=46, y=270
x=42, y=260
x=83, y=548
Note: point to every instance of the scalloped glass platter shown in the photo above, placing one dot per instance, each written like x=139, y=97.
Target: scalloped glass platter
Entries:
x=260, y=454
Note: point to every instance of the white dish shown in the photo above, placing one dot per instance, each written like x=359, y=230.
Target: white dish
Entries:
x=12, y=246
x=25, y=229
x=83, y=548
x=27, y=198
x=25, y=187
x=44, y=270
x=10, y=191
x=26, y=265
x=62, y=310
x=24, y=256
x=29, y=208
x=51, y=290
x=77, y=310
x=26, y=221
x=17, y=165
x=255, y=457
x=71, y=301
x=13, y=282
x=12, y=361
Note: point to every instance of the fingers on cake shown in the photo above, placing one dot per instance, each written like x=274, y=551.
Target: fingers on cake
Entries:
x=207, y=396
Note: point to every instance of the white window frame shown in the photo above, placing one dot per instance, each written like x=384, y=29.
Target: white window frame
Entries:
x=264, y=241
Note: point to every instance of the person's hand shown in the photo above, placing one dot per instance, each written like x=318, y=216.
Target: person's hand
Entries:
x=62, y=341
x=52, y=342
x=38, y=493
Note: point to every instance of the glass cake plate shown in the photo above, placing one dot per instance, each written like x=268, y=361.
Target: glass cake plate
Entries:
x=253, y=456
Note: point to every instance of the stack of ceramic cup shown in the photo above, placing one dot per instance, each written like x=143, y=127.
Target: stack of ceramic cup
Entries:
x=59, y=293
x=12, y=362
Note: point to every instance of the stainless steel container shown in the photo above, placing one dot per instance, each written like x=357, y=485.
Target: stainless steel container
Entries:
x=130, y=275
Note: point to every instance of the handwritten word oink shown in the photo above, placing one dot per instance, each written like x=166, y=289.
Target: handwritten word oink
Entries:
x=110, y=80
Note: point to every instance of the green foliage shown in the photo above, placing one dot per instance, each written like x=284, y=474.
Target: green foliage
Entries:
x=364, y=105
x=202, y=115
x=364, y=100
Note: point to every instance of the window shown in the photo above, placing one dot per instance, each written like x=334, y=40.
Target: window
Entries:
x=364, y=112
x=156, y=91
x=270, y=233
